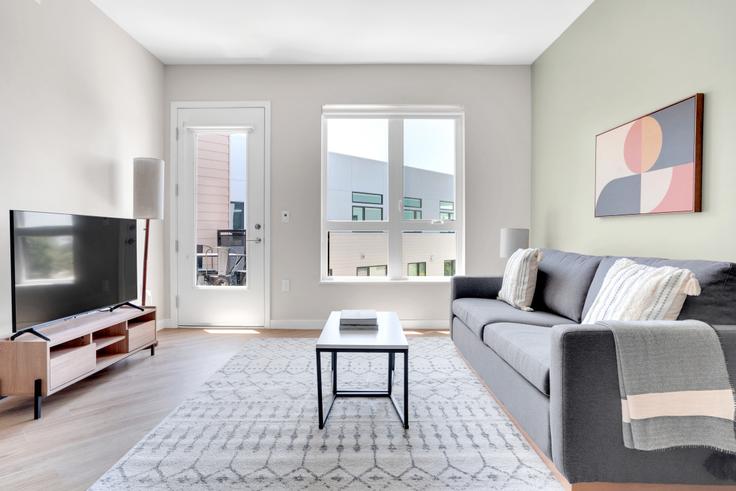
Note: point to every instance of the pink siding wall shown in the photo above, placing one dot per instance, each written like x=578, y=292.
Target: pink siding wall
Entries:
x=213, y=188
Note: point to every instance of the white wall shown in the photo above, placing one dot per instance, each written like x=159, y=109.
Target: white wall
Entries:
x=497, y=102
x=79, y=100
x=619, y=60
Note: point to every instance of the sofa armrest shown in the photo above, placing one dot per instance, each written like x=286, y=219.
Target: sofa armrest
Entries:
x=585, y=414
x=475, y=287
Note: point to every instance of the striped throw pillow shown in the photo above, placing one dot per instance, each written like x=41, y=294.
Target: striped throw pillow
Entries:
x=632, y=291
x=520, y=278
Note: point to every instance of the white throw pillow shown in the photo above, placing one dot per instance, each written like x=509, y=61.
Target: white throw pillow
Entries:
x=632, y=291
x=520, y=278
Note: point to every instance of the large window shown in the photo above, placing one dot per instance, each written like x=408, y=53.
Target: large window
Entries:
x=392, y=192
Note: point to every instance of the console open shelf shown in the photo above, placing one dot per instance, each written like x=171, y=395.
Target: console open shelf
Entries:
x=77, y=348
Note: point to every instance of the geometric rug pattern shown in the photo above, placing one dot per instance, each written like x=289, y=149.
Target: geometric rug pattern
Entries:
x=253, y=425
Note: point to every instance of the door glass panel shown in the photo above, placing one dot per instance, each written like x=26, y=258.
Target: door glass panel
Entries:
x=357, y=169
x=429, y=253
x=357, y=253
x=429, y=169
x=221, y=200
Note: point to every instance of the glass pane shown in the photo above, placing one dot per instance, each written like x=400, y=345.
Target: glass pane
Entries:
x=427, y=253
x=450, y=267
x=412, y=203
x=358, y=213
x=373, y=213
x=429, y=165
x=357, y=253
x=447, y=206
x=368, y=198
x=417, y=269
x=221, y=220
x=357, y=166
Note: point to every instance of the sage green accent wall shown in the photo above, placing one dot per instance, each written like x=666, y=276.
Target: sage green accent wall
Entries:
x=622, y=59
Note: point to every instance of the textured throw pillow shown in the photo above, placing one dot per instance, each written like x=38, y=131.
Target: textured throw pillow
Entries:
x=520, y=278
x=632, y=291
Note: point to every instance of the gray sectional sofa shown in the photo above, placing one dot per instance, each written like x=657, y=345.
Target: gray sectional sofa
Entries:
x=559, y=379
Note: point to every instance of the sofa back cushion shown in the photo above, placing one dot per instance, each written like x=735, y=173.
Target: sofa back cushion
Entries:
x=716, y=303
x=563, y=281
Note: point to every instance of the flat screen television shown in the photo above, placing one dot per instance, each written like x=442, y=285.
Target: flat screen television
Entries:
x=66, y=265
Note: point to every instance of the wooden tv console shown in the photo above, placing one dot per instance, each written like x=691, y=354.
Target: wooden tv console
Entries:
x=77, y=348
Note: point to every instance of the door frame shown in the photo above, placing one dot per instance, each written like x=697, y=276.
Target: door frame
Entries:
x=172, y=229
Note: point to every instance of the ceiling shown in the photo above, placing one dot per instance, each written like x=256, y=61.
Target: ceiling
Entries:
x=345, y=31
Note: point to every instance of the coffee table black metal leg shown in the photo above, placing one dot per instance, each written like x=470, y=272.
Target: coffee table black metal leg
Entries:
x=334, y=373
x=319, y=390
x=391, y=362
x=406, y=389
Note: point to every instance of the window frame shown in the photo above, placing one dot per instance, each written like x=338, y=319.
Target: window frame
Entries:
x=394, y=224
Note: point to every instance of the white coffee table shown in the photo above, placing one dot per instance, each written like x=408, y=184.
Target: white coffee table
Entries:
x=388, y=338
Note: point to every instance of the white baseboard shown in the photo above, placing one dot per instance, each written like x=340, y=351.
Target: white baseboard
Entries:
x=418, y=324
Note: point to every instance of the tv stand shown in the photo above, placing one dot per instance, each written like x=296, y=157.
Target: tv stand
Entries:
x=73, y=349
x=126, y=304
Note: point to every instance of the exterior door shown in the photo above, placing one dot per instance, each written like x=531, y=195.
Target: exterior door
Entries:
x=221, y=211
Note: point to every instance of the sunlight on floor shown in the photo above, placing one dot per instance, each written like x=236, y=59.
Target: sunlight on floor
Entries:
x=231, y=331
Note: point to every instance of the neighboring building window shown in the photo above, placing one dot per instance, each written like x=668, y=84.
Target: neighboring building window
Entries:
x=412, y=208
x=237, y=215
x=379, y=270
x=368, y=198
x=373, y=200
x=449, y=267
x=361, y=213
x=416, y=269
x=447, y=210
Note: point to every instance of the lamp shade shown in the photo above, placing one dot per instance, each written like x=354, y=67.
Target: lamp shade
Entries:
x=148, y=188
x=513, y=239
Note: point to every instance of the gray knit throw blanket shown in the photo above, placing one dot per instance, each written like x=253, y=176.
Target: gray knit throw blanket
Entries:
x=675, y=387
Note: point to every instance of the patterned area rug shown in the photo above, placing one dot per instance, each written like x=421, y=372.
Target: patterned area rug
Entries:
x=254, y=426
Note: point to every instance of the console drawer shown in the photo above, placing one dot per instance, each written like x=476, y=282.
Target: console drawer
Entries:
x=68, y=364
x=141, y=334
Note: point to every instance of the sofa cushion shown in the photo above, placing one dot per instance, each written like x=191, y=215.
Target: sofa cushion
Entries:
x=478, y=312
x=563, y=282
x=525, y=348
x=717, y=280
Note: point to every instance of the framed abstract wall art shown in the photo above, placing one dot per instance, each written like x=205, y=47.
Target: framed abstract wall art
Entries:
x=652, y=164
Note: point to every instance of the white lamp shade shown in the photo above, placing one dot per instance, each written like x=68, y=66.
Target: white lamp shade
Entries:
x=148, y=188
x=513, y=239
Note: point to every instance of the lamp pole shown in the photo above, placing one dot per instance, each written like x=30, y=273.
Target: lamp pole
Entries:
x=145, y=262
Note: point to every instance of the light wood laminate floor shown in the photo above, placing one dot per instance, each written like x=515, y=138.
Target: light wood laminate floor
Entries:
x=86, y=428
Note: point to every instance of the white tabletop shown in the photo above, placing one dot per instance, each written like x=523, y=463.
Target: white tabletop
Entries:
x=389, y=334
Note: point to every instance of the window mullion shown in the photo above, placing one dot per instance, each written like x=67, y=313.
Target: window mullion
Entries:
x=395, y=193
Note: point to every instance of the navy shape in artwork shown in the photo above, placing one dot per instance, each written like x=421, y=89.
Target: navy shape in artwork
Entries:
x=678, y=134
x=621, y=196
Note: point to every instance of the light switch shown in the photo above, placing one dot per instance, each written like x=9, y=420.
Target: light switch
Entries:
x=285, y=285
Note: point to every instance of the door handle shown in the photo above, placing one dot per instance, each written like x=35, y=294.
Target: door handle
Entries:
x=257, y=241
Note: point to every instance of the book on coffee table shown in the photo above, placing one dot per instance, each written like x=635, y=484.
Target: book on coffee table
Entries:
x=358, y=319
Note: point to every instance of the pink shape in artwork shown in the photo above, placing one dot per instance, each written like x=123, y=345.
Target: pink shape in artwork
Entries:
x=632, y=147
x=680, y=195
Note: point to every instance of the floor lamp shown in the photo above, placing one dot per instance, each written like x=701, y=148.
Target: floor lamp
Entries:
x=513, y=239
x=148, y=201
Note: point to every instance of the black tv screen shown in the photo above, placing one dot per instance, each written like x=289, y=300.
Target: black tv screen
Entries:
x=64, y=265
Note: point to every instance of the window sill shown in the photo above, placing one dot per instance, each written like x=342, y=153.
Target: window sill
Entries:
x=384, y=281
